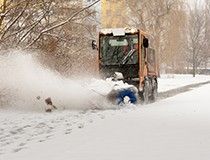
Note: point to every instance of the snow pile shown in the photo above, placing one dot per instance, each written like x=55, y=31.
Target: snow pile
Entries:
x=104, y=87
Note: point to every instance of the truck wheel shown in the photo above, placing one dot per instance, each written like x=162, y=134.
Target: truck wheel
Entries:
x=154, y=93
x=146, y=92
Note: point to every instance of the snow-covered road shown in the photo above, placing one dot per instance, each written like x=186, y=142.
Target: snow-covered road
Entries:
x=176, y=128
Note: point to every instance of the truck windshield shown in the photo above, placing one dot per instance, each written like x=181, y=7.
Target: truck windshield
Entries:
x=119, y=50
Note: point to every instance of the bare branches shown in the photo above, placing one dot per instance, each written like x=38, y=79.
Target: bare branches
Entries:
x=16, y=19
x=62, y=23
x=27, y=22
x=197, y=40
x=60, y=30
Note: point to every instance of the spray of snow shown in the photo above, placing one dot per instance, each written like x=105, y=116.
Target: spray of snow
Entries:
x=25, y=84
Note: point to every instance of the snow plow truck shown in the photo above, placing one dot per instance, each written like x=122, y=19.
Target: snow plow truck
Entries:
x=125, y=54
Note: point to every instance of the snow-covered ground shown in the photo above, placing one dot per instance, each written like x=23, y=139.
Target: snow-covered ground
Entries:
x=173, y=81
x=176, y=128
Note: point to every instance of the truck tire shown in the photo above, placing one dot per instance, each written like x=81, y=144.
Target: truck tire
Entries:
x=146, y=92
x=154, y=92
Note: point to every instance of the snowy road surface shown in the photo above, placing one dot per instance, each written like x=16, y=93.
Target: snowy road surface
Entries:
x=177, y=128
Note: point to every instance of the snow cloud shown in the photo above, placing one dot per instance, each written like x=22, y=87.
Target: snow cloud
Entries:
x=25, y=84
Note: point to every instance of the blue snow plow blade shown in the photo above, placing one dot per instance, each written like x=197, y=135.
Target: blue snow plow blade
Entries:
x=126, y=93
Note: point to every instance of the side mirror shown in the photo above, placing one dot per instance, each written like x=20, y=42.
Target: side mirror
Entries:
x=94, y=45
x=146, y=43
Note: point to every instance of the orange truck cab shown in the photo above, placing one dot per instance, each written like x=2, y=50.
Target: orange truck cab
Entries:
x=128, y=51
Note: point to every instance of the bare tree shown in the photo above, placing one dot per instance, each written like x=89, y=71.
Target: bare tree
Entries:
x=43, y=16
x=175, y=39
x=196, y=37
x=59, y=29
x=207, y=33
